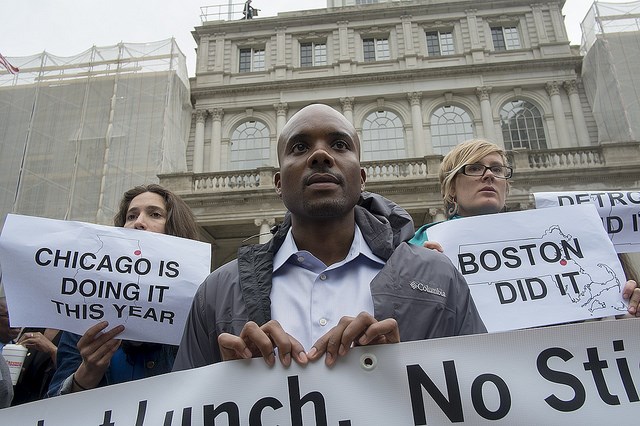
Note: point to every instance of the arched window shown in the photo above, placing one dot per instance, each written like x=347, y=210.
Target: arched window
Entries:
x=522, y=126
x=249, y=146
x=382, y=137
x=450, y=125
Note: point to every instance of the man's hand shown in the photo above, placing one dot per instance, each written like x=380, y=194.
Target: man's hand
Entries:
x=359, y=331
x=255, y=341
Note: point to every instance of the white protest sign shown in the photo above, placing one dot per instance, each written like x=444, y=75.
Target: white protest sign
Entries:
x=575, y=374
x=535, y=267
x=619, y=211
x=70, y=275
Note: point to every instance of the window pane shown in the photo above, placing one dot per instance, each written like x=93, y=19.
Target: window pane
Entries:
x=433, y=44
x=369, y=50
x=245, y=60
x=450, y=125
x=446, y=44
x=320, y=54
x=382, y=49
x=498, y=38
x=382, y=137
x=511, y=38
x=258, y=60
x=249, y=146
x=306, y=60
x=522, y=126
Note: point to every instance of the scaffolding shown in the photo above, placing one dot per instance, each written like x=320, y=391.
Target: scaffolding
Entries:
x=76, y=132
x=611, y=49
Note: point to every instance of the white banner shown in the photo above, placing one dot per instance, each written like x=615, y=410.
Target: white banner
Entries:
x=619, y=211
x=70, y=275
x=576, y=374
x=536, y=267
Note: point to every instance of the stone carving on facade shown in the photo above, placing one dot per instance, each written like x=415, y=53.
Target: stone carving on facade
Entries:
x=483, y=93
x=570, y=86
x=553, y=88
x=347, y=104
x=415, y=97
x=216, y=114
x=281, y=108
x=201, y=115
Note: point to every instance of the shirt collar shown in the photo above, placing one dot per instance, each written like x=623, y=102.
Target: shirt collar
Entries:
x=358, y=247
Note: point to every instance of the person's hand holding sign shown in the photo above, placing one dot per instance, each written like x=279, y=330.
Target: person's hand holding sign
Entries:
x=631, y=293
x=256, y=341
x=96, y=348
x=359, y=331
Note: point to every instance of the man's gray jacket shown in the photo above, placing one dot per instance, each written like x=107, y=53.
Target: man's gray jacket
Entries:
x=418, y=287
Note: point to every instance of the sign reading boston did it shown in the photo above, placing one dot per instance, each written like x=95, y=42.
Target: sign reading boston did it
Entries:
x=70, y=275
x=536, y=267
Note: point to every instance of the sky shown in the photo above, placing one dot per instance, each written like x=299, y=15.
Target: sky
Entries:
x=69, y=27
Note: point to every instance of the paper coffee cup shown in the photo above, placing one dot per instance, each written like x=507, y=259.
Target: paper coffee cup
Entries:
x=14, y=355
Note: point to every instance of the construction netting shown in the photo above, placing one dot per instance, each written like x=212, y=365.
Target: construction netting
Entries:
x=611, y=49
x=77, y=132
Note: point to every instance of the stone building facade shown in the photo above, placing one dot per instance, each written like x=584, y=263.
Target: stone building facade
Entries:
x=415, y=78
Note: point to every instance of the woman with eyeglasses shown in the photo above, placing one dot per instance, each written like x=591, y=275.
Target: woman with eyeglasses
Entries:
x=474, y=180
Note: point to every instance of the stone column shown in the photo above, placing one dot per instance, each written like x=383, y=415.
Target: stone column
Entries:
x=347, y=109
x=579, y=122
x=281, y=117
x=487, y=116
x=216, y=139
x=419, y=143
x=198, y=147
x=553, y=88
x=265, y=229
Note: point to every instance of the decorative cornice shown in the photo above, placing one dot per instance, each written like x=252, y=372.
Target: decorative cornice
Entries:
x=400, y=75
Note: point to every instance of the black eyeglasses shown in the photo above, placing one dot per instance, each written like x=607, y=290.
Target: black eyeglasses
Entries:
x=502, y=172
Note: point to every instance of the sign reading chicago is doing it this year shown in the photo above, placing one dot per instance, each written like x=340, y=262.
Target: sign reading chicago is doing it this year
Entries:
x=70, y=275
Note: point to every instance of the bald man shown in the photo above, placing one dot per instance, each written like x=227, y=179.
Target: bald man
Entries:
x=337, y=272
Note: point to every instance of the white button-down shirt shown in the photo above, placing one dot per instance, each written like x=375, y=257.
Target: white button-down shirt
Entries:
x=308, y=298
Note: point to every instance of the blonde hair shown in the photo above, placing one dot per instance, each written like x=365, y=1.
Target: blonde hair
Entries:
x=468, y=152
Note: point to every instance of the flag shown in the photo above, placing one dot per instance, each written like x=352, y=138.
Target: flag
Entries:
x=7, y=65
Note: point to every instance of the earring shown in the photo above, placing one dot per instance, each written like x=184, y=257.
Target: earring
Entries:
x=452, y=208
